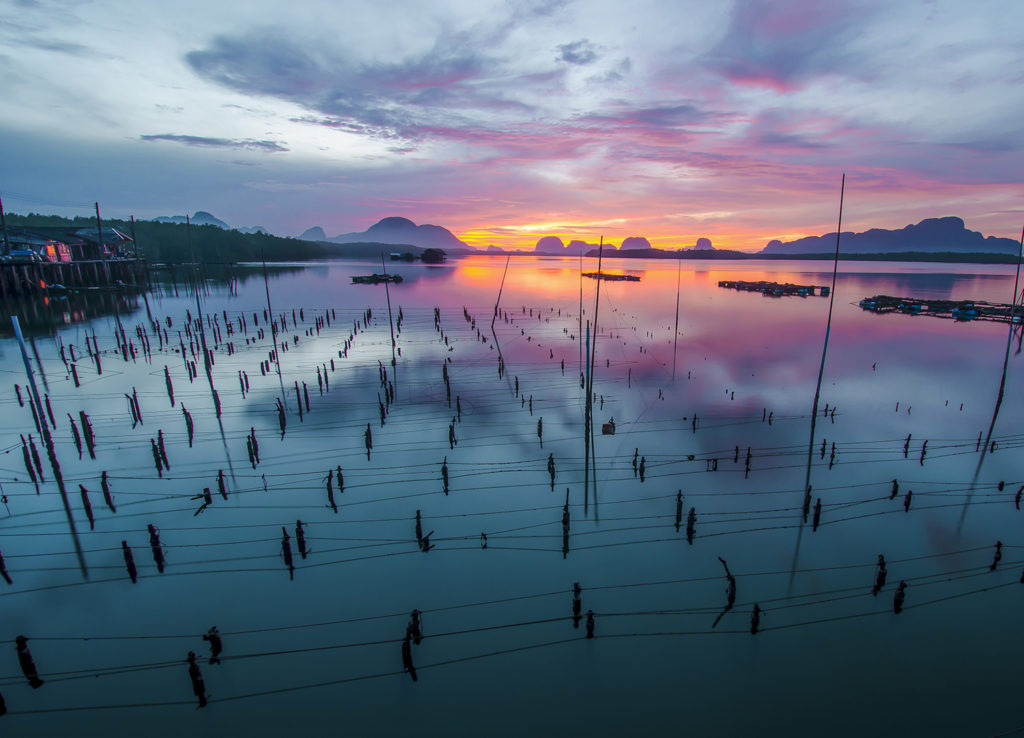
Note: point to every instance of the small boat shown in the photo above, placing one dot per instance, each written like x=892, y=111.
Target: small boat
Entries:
x=377, y=279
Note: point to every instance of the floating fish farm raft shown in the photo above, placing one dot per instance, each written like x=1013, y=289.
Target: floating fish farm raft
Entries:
x=612, y=277
x=775, y=289
x=377, y=279
x=961, y=310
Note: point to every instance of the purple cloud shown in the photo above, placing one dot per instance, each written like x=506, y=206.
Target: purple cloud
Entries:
x=218, y=143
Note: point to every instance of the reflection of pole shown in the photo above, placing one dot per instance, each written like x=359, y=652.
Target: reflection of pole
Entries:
x=675, y=336
x=273, y=330
x=1002, y=386
x=48, y=440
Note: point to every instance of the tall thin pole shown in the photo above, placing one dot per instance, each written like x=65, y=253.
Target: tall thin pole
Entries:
x=597, y=304
x=675, y=336
x=586, y=430
x=500, y=288
x=199, y=305
x=99, y=233
x=589, y=429
x=273, y=329
x=387, y=294
x=48, y=440
x=135, y=244
x=1002, y=388
x=580, y=334
x=817, y=390
x=3, y=222
x=828, y=330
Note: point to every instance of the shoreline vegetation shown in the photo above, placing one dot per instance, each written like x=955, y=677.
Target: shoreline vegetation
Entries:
x=168, y=243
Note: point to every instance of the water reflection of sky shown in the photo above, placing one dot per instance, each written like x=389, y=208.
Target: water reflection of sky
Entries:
x=740, y=356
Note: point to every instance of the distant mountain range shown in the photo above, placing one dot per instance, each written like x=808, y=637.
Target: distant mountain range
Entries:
x=201, y=218
x=932, y=235
x=397, y=231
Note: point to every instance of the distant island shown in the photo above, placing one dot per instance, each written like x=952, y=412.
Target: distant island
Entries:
x=933, y=239
x=932, y=235
x=396, y=231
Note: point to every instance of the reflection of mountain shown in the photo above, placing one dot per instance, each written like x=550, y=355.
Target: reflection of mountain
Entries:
x=930, y=235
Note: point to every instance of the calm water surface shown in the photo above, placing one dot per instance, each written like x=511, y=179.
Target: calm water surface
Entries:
x=501, y=656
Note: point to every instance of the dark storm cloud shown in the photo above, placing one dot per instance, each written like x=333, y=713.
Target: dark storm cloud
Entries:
x=782, y=45
x=217, y=143
x=623, y=115
x=450, y=85
x=580, y=52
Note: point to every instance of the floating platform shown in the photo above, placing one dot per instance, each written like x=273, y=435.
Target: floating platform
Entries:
x=775, y=289
x=377, y=279
x=612, y=277
x=960, y=310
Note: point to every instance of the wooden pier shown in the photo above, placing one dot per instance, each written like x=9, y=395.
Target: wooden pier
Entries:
x=960, y=310
x=775, y=289
x=45, y=295
x=20, y=280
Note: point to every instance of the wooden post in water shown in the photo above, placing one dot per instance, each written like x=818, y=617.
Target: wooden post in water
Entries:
x=48, y=440
x=675, y=336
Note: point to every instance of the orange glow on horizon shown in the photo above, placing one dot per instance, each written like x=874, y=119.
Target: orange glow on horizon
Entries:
x=511, y=238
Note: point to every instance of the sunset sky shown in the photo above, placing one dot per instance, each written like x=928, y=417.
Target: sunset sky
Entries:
x=508, y=121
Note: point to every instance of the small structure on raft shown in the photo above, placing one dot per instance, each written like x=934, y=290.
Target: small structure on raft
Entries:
x=959, y=310
x=775, y=289
x=377, y=279
x=612, y=277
